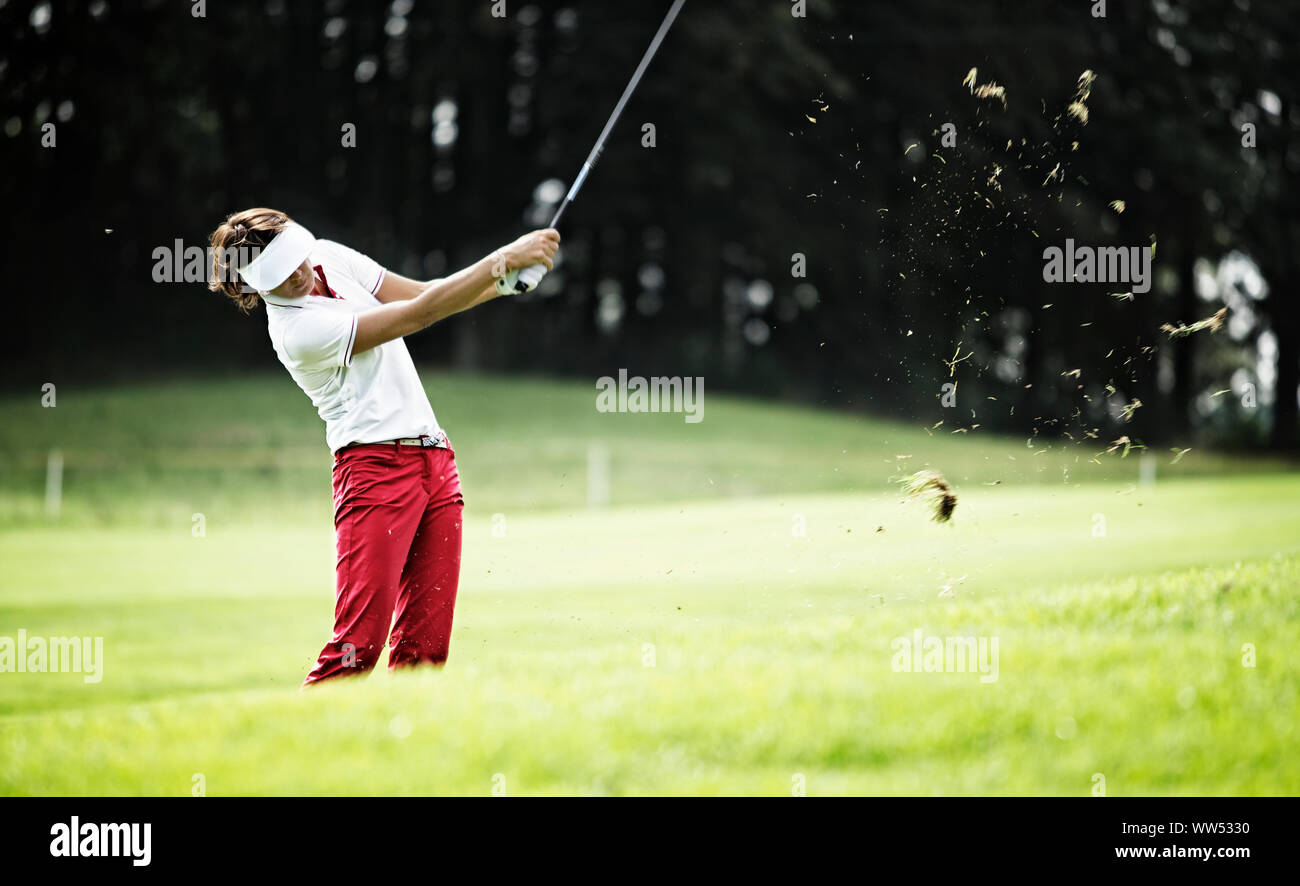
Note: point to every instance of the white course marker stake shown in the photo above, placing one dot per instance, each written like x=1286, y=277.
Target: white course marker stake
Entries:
x=1146, y=469
x=54, y=484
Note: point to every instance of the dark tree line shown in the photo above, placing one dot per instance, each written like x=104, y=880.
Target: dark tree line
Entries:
x=774, y=137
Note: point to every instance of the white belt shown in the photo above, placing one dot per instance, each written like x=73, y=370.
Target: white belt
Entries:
x=439, y=441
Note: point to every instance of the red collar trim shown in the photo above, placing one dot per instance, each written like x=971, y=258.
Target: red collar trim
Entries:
x=320, y=270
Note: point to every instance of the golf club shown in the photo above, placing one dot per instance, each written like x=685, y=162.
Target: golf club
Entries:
x=526, y=280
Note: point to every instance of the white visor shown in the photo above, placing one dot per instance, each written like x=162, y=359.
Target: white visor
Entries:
x=280, y=258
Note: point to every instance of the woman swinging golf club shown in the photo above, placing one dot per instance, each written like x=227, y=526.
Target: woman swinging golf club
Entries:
x=336, y=320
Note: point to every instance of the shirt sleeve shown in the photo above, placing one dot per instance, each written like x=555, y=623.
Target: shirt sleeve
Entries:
x=322, y=338
x=360, y=267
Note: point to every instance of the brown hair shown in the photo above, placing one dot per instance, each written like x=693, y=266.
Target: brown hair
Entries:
x=250, y=229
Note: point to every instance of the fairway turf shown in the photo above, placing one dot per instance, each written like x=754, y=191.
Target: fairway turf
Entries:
x=253, y=448
x=732, y=636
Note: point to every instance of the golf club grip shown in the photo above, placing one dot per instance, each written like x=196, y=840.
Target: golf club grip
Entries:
x=530, y=276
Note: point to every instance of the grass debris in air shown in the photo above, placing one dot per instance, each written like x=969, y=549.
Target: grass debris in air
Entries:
x=1213, y=323
x=931, y=485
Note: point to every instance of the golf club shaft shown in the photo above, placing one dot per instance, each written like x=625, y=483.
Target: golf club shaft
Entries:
x=618, y=109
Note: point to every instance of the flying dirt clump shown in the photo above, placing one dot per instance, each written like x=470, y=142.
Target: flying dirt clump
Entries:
x=932, y=486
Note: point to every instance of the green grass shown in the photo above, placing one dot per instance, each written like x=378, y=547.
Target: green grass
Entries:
x=255, y=449
x=1119, y=653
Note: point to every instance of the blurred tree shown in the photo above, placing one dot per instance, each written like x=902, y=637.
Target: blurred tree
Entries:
x=782, y=144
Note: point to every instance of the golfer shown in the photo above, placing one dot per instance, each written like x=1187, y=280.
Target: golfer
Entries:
x=336, y=320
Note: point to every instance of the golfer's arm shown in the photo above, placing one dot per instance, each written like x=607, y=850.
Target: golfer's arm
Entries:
x=398, y=288
x=486, y=295
x=438, y=300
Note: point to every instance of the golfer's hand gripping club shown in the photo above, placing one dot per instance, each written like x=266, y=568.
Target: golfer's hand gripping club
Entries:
x=521, y=280
x=528, y=258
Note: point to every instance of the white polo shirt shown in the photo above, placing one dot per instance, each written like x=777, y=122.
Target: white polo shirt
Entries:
x=372, y=396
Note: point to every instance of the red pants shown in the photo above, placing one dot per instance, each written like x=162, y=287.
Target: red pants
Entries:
x=397, y=514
